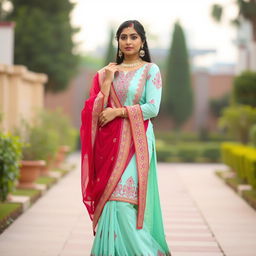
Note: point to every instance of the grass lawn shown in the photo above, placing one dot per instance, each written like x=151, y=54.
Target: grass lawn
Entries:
x=62, y=171
x=250, y=197
x=26, y=192
x=8, y=213
x=49, y=181
x=233, y=182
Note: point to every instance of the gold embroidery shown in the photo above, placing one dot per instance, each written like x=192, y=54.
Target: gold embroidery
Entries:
x=97, y=108
x=142, y=157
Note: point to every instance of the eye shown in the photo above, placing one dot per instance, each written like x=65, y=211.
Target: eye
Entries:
x=134, y=37
x=123, y=37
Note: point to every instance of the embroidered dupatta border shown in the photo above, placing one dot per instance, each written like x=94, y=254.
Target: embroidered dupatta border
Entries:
x=142, y=157
x=97, y=108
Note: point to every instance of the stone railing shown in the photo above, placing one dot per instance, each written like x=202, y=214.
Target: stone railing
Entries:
x=21, y=94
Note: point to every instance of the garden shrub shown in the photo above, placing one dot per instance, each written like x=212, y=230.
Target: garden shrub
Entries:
x=10, y=155
x=242, y=160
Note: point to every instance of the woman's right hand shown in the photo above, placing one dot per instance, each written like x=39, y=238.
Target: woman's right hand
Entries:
x=110, y=71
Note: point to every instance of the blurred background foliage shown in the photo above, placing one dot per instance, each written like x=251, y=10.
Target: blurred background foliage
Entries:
x=44, y=39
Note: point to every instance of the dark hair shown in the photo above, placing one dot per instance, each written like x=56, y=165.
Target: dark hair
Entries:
x=140, y=30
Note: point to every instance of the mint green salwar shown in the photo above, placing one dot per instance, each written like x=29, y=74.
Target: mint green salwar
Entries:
x=116, y=233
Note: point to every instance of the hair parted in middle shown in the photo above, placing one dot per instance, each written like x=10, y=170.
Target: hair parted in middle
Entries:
x=140, y=30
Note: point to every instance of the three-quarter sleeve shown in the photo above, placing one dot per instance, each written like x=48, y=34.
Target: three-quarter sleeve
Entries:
x=153, y=93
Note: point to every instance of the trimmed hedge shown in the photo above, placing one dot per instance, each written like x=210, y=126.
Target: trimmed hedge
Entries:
x=242, y=160
x=185, y=137
x=188, y=152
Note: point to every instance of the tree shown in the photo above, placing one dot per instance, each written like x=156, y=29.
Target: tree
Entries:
x=111, y=52
x=178, y=97
x=43, y=39
x=217, y=105
x=247, y=9
x=238, y=120
x=245, y=88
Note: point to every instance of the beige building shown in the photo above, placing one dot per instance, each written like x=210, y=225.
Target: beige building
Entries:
x=21, y=94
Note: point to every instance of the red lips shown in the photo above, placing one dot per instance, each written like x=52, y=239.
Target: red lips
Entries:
x=128, y=48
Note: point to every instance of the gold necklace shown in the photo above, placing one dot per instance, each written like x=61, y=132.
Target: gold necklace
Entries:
x=131, y=65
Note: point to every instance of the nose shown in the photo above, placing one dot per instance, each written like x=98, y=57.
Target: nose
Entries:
x=128, y=41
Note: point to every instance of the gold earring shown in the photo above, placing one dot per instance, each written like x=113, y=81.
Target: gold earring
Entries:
x=142, y=52
x=120, y=54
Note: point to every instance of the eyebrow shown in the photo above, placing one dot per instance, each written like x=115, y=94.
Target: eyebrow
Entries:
x=129, y=34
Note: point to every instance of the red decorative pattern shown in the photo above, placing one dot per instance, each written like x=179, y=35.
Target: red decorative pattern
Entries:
x=121, y=84
x=141, y=84
x=157, y=81
x=142, y=157
x=114, y=99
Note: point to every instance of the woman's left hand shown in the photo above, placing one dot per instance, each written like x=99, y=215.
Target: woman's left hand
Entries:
x=107, y=115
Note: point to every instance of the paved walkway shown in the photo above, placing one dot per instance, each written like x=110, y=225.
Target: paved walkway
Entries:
x=202, y=216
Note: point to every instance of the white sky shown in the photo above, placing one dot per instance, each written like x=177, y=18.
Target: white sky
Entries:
x=158, y=16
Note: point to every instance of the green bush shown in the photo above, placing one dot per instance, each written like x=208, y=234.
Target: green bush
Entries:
x=253, y=135
x=171, y=137
x=245, y=88
x=237, y=120
x=58, y=122
x=242, y=160
x=217, y=105
x=188, y=153
x=10, y=155
x=164, y=153
x=39, y=143
x=211, y=152
x=250, y=167
x=219, y=137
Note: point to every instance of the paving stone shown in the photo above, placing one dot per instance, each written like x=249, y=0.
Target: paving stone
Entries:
x=202, y=217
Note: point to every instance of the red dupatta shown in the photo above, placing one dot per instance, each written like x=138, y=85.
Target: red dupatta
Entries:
x=106, y=151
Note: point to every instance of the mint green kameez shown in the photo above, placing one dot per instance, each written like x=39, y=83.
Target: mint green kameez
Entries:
x=116, y=233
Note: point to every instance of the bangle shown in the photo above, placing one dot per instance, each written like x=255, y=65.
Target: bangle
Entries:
x=122, y=112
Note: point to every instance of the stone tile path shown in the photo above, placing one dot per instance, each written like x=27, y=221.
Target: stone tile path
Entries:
x=202, y=217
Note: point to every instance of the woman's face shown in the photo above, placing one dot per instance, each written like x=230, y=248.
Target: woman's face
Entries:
x=130, y=41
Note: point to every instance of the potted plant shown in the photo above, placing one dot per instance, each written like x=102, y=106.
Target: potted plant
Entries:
x=67, y=134
x=40, y=146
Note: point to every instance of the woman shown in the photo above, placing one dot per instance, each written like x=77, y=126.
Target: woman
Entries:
x=119, y=179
